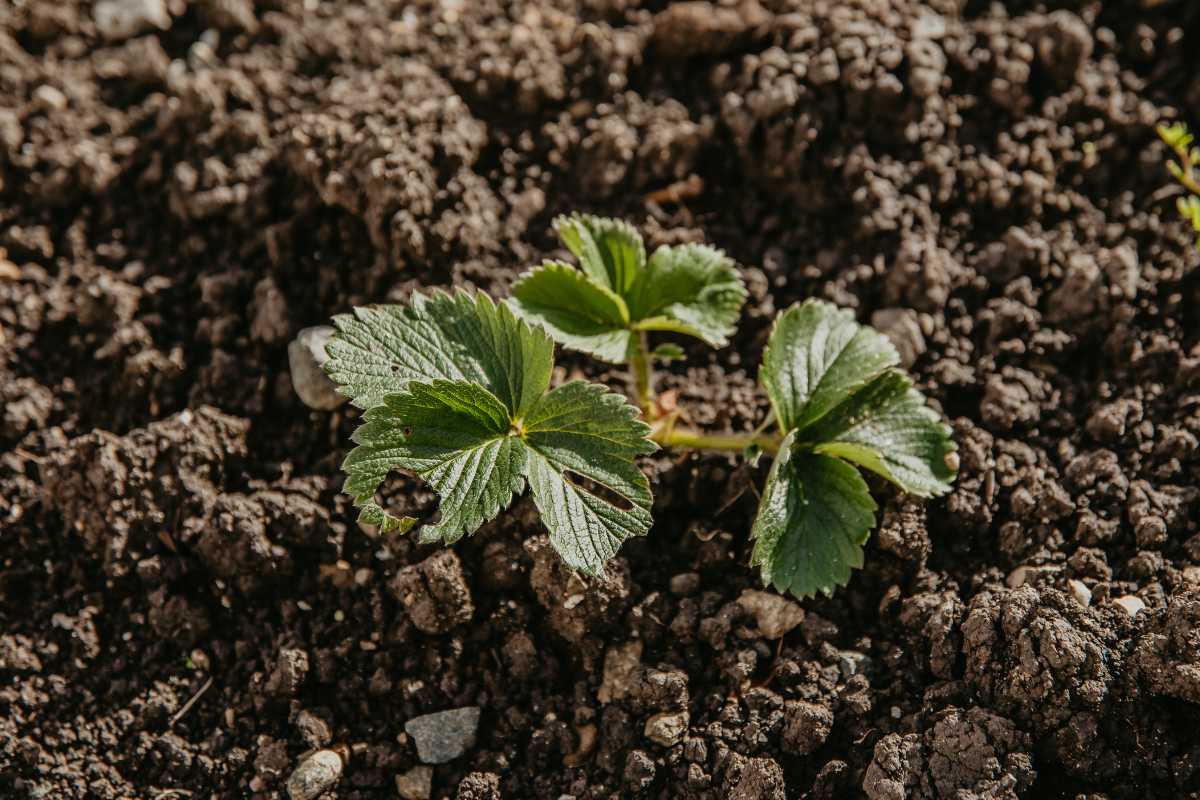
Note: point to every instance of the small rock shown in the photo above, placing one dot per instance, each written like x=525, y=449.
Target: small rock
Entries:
x=1080, y=591
x=314, y=730
x=685, y=584
x=124, y=19
x=903, y=329
x=1131, y=604
x=416, y=784
x=445, y=735
x=306, y=354
x=621, y=666
x=1023, y=575
x=774, y=614
x=47, y=98
x=851, y=663
x=315, y=775
x=667, y=728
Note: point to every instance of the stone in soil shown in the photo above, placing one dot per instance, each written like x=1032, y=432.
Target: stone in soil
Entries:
x=445, y=735
x=306, y=355
x=415, y=784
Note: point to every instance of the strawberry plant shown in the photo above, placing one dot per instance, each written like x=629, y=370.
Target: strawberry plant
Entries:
x=456, y=389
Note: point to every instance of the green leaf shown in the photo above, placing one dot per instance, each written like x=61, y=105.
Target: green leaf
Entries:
x=575, y=311
x=610, y=251
x=668, y=352
x=887, y=428
x=454, y=435
x=816, y=357
x=477, y=437
x=692, y=289
x=378, y=350
x=816, y=514
x=582, y=431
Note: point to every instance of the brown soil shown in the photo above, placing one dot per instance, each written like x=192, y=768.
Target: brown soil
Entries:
x=185, y=600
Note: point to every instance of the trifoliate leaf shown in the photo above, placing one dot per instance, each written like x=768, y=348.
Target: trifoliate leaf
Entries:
x=582, y=434
x=887, y=428
x=578, y=312
x=817, y=356
x=691, y=289
x=457, y=436
x=477, y=439
x=461, y=337
x=816, y=514
x=609, y=250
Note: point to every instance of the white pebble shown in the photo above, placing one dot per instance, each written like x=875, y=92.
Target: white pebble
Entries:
x=315, y=775
x=1131, y=604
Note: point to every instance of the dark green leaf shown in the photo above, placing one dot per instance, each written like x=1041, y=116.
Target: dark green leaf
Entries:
x=816, y=514
x=609, y=250
x=576, y=311
x=692, y=289
x=378, y=350
x=457, y=437
x=887, y=428
x=581, y=434
x=817, y=356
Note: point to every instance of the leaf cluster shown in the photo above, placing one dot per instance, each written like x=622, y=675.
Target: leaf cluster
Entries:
x=456, y=389
x=617, y=292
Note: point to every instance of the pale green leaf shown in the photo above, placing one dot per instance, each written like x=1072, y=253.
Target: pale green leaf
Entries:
x=668, y=352
x=577, y=312
x=816, y=513
x=581, y=434
x=692, y=289
x=887, y=428
x=816, y=357
x=378, y=350
x=610, y=251
x=454, y=435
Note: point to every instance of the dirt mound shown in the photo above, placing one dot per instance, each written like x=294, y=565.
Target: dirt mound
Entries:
x=187, y=602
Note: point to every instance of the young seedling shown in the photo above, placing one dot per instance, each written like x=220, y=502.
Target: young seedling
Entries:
x=456, y=389
x=1183, y=170
x=608, y=307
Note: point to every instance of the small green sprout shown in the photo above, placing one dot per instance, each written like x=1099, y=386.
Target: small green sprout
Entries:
x=456, y=389
x=1183, y=170
x=608, y=306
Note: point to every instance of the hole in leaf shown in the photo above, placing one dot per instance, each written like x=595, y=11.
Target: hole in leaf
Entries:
x=395, y=368
x=598, y=490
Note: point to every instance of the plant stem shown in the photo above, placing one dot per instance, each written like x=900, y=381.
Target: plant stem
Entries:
x=1187, y=175
x=643, y=377
x=692, y=439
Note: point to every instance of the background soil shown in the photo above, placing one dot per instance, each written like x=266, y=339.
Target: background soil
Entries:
x=983, y=181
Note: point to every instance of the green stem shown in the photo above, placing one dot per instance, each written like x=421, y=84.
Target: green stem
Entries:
x=692, y=439
x=1187, y=175
x=643, y=376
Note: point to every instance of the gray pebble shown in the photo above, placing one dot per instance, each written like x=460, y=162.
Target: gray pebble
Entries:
x=445, y=735
x=306, y=354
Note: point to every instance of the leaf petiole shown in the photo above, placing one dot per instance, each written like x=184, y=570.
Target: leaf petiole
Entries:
x=692, y=439
x=643, y=376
